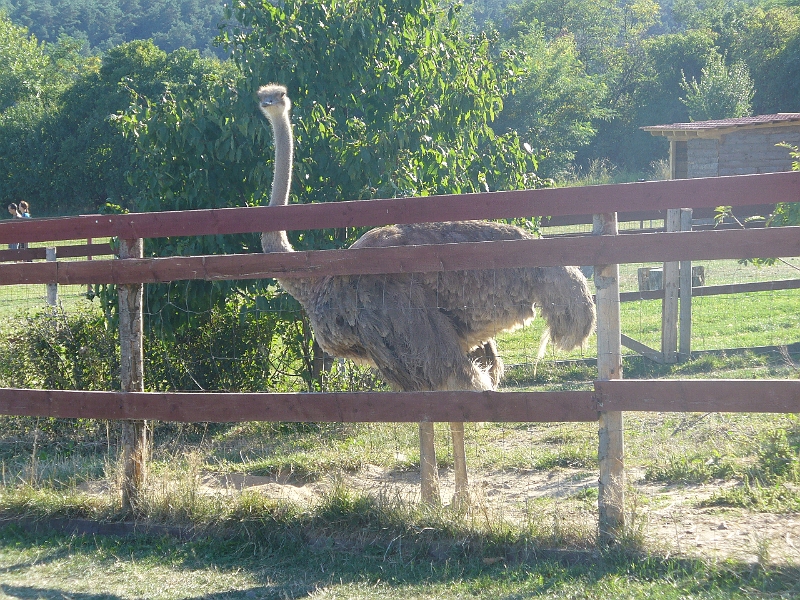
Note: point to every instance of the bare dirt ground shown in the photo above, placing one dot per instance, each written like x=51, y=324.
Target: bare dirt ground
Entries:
x=667, y=516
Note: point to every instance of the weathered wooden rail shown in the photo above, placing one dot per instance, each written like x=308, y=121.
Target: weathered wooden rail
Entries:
x=745, y=190
x=605, y=251
x=573, y=406
x=67, y=251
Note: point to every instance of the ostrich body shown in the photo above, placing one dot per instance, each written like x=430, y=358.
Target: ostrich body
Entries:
x=427, y=331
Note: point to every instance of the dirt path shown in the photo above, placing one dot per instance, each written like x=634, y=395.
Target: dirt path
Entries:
x=667, y=517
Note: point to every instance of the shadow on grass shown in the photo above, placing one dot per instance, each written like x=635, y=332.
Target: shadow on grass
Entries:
x=269, y=591
x=380, y=562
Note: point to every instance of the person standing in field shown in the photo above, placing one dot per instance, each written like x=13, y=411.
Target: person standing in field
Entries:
x=24, y=213
x=13, y=210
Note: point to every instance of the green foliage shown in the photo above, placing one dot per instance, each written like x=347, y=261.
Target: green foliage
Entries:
x=24, y=62
x=555, y=104
x=60, y=150
x=171, y=24
x=605, y=31
x=694, y=468
x=788, y=213
x=721, y=93
x=757, y=496
x=196, y=144
x=390, y=98
x=56, y=351
x=770, y=484
x=701, y=14
x=779, y=456
x=33, y=77
x=240, y=345
x=611, y=43
x=768, y=41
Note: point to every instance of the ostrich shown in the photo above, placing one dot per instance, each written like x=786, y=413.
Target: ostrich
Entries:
x=427, y=331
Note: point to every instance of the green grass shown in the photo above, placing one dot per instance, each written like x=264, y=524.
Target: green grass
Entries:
x=368, y=553
x=19, y=301
x=718, y=322
x=349, y=544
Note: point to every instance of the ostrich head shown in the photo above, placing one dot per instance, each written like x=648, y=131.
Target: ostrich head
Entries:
x=274, y=102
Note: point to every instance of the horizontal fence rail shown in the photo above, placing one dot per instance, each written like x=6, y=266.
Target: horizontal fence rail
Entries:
x=698, y=213
x=699, y=395
x=741, y=190
x=707, y=245
x=717, y=290
x=75, y=251
x=695, y=395
x=357, y=407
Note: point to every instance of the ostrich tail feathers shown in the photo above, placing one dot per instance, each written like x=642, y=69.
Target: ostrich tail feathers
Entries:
x=568, y=308
x=543, y=344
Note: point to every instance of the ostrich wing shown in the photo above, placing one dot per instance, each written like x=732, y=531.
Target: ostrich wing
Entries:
x=393, y=323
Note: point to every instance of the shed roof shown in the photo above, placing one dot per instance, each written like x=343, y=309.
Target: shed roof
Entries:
x=718, y=127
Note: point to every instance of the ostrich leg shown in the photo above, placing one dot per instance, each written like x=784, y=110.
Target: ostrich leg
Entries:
x=461, y=496
x=429, y=475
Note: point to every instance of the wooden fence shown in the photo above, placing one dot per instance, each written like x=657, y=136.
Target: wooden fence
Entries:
x=604, y=249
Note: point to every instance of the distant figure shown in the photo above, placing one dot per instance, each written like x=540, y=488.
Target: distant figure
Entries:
x=13, y=210
x=24, y=212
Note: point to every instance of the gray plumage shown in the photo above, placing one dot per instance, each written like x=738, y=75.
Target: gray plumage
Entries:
x=427, y=331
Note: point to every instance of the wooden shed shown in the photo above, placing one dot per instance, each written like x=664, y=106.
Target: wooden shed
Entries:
x=730, y=146
x=742, y=146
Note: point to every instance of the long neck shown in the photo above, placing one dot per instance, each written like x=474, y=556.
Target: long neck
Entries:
x=284, y=154
x=277, y=241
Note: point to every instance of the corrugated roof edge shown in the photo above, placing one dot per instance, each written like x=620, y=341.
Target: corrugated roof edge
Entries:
x=724, y=123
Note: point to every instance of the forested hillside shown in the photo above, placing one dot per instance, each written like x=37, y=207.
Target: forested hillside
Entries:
x=103, y=24
x=568, y=81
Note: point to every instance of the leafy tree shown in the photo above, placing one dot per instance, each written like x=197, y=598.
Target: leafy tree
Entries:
x=60, y=149
x=604, y=31
x=31, y=90
x=196, y=144
x=104, y=24
x=391, y=98
x=768, y=41
x=670, y=58
x=701, y=14
x=781, y=91
x=654, y=98
x=721, y=93
x=24, y=62
x=610, y=39
x=556, y=103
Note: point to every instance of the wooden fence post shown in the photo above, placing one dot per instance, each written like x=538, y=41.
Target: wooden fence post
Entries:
x=685, y=321
x=134, y=433
x=611, y=448
x=52, y=288
x=669, y=305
